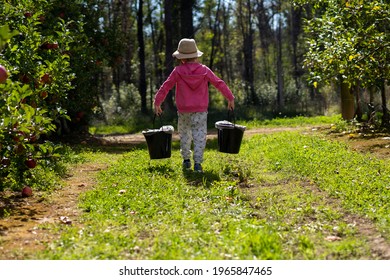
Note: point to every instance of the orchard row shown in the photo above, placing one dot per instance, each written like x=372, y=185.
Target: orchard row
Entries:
x=47, y=85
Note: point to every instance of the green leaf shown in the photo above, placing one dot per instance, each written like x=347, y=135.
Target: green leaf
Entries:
x=6, y=34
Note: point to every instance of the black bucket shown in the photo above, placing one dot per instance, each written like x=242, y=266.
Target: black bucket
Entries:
x=159, y=141
x=229, y=136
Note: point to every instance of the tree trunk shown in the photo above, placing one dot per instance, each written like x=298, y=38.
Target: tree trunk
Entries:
x=279, y=66
x=358, y=111
x=169, y=60
x=296, y=16
x=385, y=116
x=125, y=30
x=347, y=102
x=265, y=32
x=155, y=78
x=245, y=21
x=141, y=51
x=186, y=18
x=227, y=61
x=215, y=32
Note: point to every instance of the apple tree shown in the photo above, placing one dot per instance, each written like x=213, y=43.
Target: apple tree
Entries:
x=348, y=43
x=33, y=94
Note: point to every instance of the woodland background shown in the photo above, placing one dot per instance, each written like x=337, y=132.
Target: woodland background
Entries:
x=279, y=57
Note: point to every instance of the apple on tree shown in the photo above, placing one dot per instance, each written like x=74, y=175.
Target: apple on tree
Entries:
x=3, y=74
x=54, y=45
x=31, y=163
x=43, y=94
x=46, y=79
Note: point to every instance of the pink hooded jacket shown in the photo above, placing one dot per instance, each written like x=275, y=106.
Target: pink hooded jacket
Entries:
x=192, y=93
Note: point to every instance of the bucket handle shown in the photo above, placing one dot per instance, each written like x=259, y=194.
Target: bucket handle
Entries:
x=232, y=117
x=154, y=119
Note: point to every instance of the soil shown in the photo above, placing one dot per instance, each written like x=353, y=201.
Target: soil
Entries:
x=24, y=220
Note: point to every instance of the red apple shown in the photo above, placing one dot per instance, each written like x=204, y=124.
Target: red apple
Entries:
x=45, y=46
x=54, y=46
x=43, y=94
x=3, y=74
x=26, y=191
x=31, y=163
x=27, y=14
x=46, y=79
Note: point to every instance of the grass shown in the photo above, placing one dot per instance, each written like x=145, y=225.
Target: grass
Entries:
x=292, y=122
x=284, y=196
x=360, y=181
x=146, y=122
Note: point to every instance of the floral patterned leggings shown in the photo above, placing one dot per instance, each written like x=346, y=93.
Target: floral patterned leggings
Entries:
x=192, y=127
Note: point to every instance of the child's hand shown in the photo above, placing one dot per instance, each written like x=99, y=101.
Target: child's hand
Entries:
x=157, y=110
x=231, y=105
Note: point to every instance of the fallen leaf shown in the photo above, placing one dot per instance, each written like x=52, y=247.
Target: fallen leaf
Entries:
x=332, y=238
x=65, y=220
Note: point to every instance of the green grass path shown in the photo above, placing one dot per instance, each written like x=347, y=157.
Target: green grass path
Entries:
x=284, y=196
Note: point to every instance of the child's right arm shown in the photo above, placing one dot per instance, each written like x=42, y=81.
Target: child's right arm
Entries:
x=219, y=84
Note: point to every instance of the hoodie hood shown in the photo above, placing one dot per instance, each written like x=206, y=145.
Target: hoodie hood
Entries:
x=193, y=74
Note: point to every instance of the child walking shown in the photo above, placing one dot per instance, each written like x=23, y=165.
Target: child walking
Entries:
x=191, y=79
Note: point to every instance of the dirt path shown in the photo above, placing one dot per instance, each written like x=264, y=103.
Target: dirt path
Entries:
x=23, y=231
x=23, y=220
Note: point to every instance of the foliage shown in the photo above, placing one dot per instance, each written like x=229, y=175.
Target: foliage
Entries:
x=21, y=127
x=40, y=44
x=349, y=40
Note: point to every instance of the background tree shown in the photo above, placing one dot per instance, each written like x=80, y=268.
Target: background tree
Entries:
x=141, y=55
x=348, y=43
x=245, y=24
x=186, y=18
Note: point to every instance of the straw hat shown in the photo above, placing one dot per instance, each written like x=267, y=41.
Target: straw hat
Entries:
x=187, y=49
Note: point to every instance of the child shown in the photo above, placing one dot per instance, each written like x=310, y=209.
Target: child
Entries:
x=192, y=98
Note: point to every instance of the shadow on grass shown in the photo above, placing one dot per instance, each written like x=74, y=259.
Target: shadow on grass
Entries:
x=205, y=179
x=162, y=168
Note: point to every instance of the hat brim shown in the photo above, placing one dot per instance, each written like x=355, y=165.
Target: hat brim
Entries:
x=179, y=55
